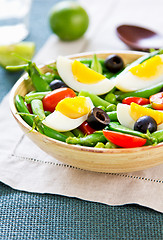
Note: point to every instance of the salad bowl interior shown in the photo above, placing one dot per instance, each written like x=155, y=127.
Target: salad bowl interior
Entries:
x=88, y=158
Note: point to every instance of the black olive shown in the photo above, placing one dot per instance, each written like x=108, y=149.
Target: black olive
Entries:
x=98, y=119
x=145, y=123
x=114, y=63
x=57, y=84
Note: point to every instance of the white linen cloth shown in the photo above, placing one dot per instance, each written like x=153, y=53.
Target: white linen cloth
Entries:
x=24, y=166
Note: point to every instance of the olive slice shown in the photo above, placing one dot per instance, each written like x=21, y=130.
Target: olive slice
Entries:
x=98, y=119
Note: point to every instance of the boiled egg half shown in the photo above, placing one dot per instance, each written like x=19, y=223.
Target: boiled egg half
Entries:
x=79, y=77
x=128, y=114
x=143, y=75
x=69, y=113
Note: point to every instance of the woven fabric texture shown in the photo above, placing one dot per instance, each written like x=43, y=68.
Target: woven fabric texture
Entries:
x=35, y=216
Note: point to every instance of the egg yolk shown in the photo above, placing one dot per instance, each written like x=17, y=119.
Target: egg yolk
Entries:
x=74, y=107
x=137, y=111
x=149, y=69
x=84, y=74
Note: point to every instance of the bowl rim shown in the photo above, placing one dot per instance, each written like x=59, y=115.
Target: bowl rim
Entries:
x=64, y=144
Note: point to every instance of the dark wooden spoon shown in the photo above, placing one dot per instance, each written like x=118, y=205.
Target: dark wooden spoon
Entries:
x=139, y=38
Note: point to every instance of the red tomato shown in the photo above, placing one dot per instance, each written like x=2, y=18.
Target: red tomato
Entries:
x=124, y=140
x=138, y=100
x=51, y=100
x=86, y=129
x=157, y=101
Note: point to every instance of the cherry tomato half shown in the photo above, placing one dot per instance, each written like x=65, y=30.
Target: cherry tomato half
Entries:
x=51, y=100
x=86, y=129
x=157, y=101
x=124, y=140
x=138, y=100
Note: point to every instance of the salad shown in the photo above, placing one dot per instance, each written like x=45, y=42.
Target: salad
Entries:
x=96, y=102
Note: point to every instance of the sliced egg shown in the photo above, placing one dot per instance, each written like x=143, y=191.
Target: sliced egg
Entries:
x=143, y=75
x=123, y=115
x=128, y=114
x=79, y=77
x=69, y=114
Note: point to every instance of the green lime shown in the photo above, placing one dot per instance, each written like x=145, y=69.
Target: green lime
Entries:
x=9, y=54
x=68, y=20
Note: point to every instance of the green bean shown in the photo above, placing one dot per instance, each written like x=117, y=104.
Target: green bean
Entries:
x=89, y=61
x=95, y=65
x=68, y=134
x=77, y=132
x=99, y=145
x=101, y=107
x=47, y=113
x=21, y=107
x=110, y=145
x=52, y=133
x=148, y=105
x=37, y=108
x=97, y=101
x=114, y=126
x=157, y=136
x=146, y=92
x=89, y=140
x=35, y=95
x=113, y=115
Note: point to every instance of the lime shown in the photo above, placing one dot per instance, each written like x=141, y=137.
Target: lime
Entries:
x=68, y=20
x=9, y=54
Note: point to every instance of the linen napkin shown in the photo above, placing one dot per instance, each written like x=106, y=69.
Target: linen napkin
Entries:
x=24, y=166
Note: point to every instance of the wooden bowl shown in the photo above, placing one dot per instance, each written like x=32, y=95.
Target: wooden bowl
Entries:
x=93, y=159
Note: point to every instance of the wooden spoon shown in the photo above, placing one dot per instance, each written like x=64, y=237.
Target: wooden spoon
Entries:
x=139, y=38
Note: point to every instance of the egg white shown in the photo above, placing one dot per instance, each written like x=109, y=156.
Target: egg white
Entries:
x=127, y=82
x=64, y=68
x=123, y=115
x=62, y=123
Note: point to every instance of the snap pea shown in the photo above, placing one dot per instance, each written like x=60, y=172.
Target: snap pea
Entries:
x=37, y=108
x=89, y=140
x=35, y=95
x=110, y=97
x=145, y=92
x=38, y=82
x=22, y=108
x=97, y=101
x=49, y=77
